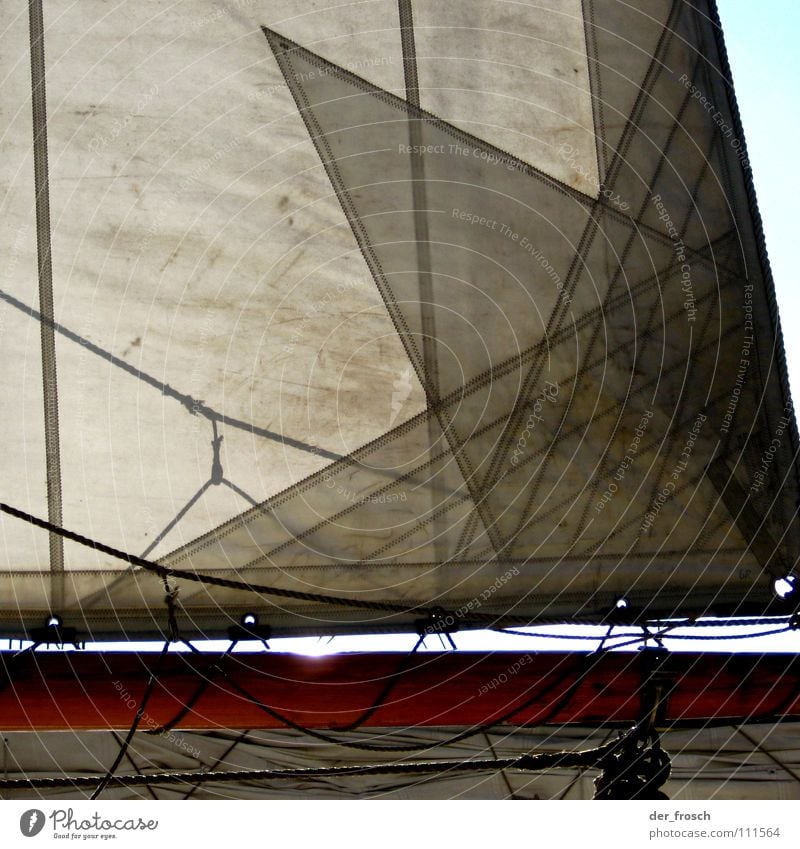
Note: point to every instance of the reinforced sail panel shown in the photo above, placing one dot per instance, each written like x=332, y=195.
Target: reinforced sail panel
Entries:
x=490, y=328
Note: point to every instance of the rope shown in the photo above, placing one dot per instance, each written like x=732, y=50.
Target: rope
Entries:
x=361, y=604
x=723, y=623
x=544, y=760
x=109, y=776
x=7, y=678
x=729, y=636
x=228, y=583
x=290, y=723
x=639, y=767
x=371, y=747
x=606, y=636
x=633, y=769
x=326, y=738
x=388, y=688
x=670, y=625
x=171, y=598
x=193, y=699
x=456, y=738
x=212, y=580
x=592, y=639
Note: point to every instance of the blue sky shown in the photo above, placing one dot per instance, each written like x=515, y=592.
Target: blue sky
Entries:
x=762, y=38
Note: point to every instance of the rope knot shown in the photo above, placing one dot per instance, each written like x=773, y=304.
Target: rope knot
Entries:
x=171, y=599
x=633, y=769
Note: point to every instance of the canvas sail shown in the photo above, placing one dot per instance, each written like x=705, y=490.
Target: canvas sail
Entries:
x=463, y=306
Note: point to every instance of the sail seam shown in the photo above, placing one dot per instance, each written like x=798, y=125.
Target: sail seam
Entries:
x=45, y=266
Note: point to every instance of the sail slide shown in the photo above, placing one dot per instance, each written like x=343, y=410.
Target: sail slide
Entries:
x=465, y=308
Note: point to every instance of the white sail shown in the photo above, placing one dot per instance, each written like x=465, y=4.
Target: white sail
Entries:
x=468, y=310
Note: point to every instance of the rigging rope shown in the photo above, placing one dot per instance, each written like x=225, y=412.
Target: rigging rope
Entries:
x=634, y=770
x=7, y=678
x=212, y=580
x=228, y=583
x=719, y=637
x=386, y=691
x=588, y=659
x=109, y=776
x=290, y=723
x=725, y=623
x=214, y=666
x=543, y=760
x=166, y=572
x=464, y=735
x=670, y=624
x=171, y=599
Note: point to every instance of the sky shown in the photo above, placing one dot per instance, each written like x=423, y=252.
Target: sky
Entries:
x=762, y=38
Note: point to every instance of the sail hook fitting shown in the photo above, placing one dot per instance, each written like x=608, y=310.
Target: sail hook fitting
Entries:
x=55, y=633
x=438, y=622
